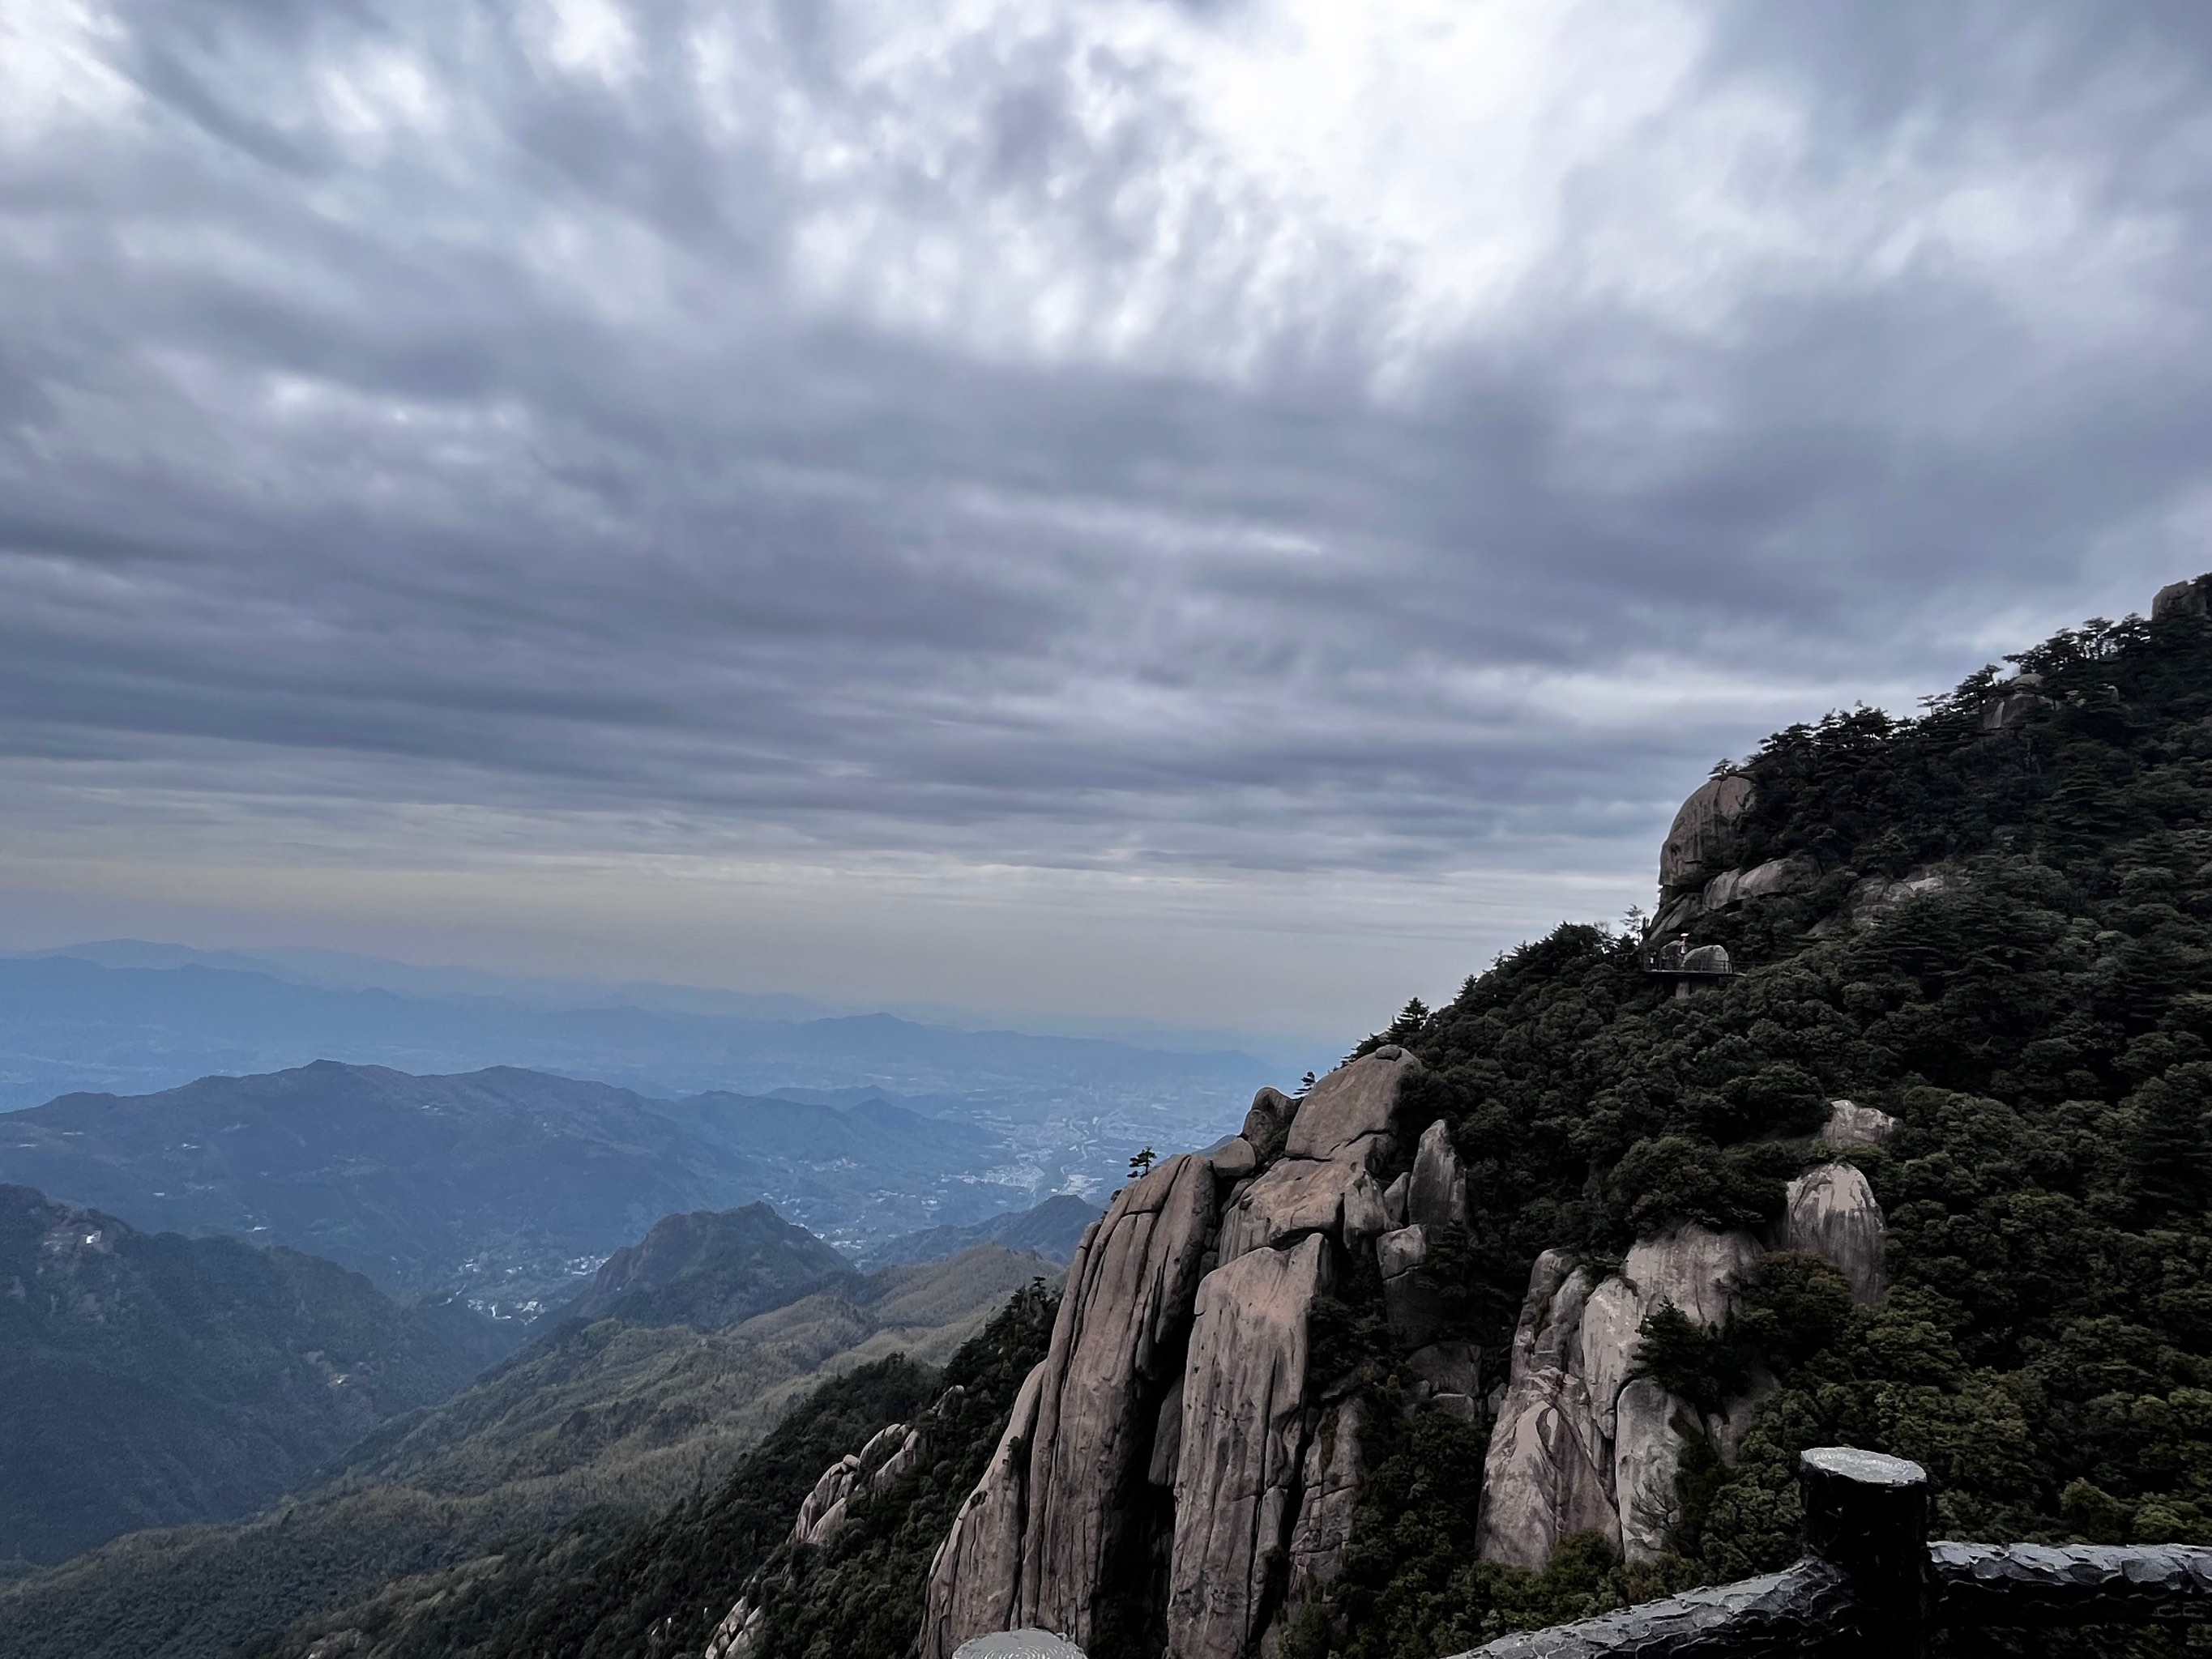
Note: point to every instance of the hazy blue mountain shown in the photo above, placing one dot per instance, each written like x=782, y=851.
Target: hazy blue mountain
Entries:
x=712, y=1269
x=1051, y=1230
x=350, y=970
x=1064, y=1114
x=143, y=1019
x=510, y=1185
x=150, y=1380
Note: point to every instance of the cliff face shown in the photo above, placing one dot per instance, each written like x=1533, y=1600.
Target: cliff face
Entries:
x=1173, y=1474
x=1179, y=1477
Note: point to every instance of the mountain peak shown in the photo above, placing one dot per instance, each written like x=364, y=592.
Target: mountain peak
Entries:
x=712, y=1268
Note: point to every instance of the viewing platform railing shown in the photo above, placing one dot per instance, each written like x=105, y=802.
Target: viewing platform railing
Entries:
x=1870, y=1583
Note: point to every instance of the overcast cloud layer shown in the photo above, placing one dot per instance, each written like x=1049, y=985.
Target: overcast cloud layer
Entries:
x=1211, y=510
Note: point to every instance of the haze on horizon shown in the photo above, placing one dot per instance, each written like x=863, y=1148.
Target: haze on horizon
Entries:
x=1220, y=513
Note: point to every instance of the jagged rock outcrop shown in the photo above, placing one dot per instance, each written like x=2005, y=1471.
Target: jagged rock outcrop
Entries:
x=2192, y=598
x=1584, y=1444
x=1053, y=1521
x=1116, y=1349
x=1549, y=1471
x=1174, y=1444
x=889, y=1454
x=974, y=1581
x=1324, y=1181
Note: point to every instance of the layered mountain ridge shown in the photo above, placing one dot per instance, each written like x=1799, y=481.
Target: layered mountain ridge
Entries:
x=512, y=1186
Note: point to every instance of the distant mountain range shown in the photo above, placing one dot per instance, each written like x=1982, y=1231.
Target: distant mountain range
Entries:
x=150, y=1380
x=1066, y=1113
x=512, y=1186
x=68, y=1022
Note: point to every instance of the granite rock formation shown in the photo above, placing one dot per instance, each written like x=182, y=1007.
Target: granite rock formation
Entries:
x=1174, y=1464
x=2192, y=598
x=889, y=1454
x=1704, y=832
x=1582, y=1443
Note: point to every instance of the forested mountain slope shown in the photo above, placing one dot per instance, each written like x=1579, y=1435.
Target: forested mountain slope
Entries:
x=150, y=1380
x=572, y=1446
x=1993, y=921
x=662, y=1588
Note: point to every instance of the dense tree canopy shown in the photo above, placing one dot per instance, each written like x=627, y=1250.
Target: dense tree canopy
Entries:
x=2040, y=1022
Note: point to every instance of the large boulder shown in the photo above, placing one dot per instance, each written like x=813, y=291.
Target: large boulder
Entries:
x=1295, y=1197
x=1831, y=1211
x=1704, y=832
x=2192, y=598
x=1243, y=1444
x=1874, y=899
x=1853, y=1125
x=1771, y=879
x=1358, y=1099
x=1269, y=1120
x=2013, y=702
x=1235, y=1159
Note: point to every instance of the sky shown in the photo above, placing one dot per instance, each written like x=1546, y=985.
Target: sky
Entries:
x=1228, y=513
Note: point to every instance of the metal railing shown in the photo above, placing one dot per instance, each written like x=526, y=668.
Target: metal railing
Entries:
x=1871, y=1583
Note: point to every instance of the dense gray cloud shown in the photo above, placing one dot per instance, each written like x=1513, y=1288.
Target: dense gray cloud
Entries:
x=1384, y=450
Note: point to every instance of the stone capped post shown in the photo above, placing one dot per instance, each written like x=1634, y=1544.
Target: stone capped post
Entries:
x=1868, y=1514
